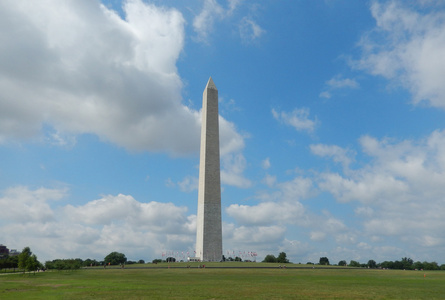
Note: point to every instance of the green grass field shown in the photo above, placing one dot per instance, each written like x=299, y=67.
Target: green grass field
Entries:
x=224, y=283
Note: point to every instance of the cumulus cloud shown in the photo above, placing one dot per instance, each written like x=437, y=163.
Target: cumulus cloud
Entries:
x=141, y=230
x=282, y=207
x=259, y=235
x=266, y=213
x=397, y=198
x=407, y=47
x=248, y=237
x=212, y=12
x=317, y=235
x=120, y=223
x=395, y=194
x=400, y=192
x=230, y=140
x=233, y=166
x=298, y=118
x=338, y=82
x=203, y=23
x=269, y=180
x=283, y=210
x=266, y=163
x=250, y=30
x=338, y=154
x=23, y=205
x=189, y=183
x=76, y=67
x=153, y=216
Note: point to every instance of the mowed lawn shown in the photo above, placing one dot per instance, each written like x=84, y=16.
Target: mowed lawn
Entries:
x=226, y=283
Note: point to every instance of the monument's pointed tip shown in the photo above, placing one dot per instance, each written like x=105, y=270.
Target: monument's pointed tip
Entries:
x=211, y=84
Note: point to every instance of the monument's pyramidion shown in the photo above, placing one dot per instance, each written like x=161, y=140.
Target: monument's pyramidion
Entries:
x=209, y=230
x=211, y=84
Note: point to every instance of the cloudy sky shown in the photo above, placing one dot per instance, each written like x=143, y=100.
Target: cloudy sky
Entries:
x=331, y=125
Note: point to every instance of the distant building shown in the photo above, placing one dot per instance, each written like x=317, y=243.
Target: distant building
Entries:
x=4, y=251
x=14, y=252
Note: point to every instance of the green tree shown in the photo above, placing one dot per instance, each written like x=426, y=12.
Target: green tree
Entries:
x=431, y=265
x=28, y=261
x=418, y=265
x=115, y=258
x=32, y=264
x=270, y=258
x=141, y=261
x=282, y=258
x=342, y=263
x=407, y=263
x=12, y=262
x=354, y=263
x=372, y=264
x=90, y=262
x=23, y=258
x=324, y=261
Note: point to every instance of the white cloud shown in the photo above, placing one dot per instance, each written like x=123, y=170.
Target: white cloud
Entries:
x=111, y=223
x=233, y=4
x=153, y=216
x=282, y=207
x=212, y=12
x=233, y=166
x=266, y=213
x=269, y=180
x=121, y=85
x=264, y=237
x=338, y=82
x=364, y=210
x=265, y=164
x=407, y=47
x=250, y=30
x=230, y=140
x=23, y=205
x=317, y=235
x=203, y=23
x=298, y=188
x=325, y=95
x=116, y=223
x=298, y=118
x=400, y=192
x=169, y=183
x=189, y=184
x=338, y=154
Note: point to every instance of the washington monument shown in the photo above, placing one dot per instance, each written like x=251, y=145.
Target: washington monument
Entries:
x=209, y=231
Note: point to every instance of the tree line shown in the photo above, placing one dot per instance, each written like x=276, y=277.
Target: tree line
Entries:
x=281, y=258
x=27, y=261
x=404, y=264
x=112, y=259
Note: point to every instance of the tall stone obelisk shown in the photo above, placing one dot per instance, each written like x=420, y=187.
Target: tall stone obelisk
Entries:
x=209, y=229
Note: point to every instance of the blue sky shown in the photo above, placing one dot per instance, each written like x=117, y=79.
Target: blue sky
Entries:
x=331, y=126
